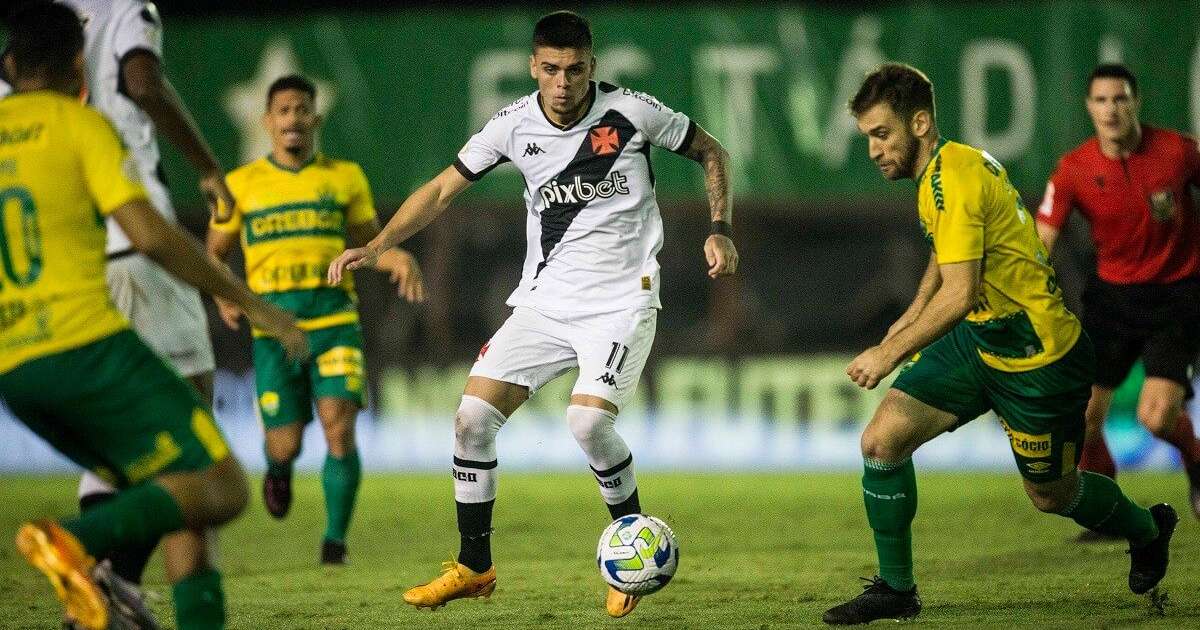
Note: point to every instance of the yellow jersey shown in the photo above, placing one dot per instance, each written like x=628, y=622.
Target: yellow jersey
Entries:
x=293, y=224
x=62, y=170
x=970, y=211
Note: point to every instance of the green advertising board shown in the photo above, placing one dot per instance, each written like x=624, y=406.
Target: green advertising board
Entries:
x=403, y=90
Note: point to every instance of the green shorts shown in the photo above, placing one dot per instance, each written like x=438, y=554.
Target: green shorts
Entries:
x=287, y=389
x=1041, y=409
x=115, y=408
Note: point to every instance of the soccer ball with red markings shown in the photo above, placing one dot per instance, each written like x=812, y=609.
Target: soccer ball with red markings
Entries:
x=637, y=554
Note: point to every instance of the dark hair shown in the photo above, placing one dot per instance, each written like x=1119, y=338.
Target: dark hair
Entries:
x=903, y=87
x=43, y=38
x=1113, y=71
x=563, y=29
x=291, y=82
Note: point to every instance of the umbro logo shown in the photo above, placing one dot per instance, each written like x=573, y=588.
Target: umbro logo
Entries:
x=607, y=379
x=533, y=149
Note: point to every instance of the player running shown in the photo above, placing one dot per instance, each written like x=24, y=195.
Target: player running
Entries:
x=71, y=369
x=981, y=336
x=589, y=291
x=1132, y=182
x=124, y=80
x=296, y=210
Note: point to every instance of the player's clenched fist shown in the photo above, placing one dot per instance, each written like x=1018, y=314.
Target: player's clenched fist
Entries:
x=870, y=367
x=721, y=254
x=349, y=260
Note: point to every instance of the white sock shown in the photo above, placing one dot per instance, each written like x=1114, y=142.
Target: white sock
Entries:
x=607, y=454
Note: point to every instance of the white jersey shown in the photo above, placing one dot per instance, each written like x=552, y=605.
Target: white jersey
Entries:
x=593, y=227
x=112, y=30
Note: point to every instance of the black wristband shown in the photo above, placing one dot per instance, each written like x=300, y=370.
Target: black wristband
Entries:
x=724, y=228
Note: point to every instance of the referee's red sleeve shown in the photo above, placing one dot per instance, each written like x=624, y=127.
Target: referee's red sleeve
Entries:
x=1057, y=200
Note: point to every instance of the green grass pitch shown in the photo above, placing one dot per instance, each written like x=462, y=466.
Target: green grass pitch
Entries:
x=758, y=551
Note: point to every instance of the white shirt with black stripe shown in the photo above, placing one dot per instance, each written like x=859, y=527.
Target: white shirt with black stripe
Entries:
x=593, y=227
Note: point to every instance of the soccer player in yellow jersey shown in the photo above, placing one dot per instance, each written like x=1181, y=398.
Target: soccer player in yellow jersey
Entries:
x=70, y=367
x=296, y=210
x=987, y=331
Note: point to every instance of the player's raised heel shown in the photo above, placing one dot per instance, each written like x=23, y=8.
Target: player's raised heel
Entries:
x=457, y=581
x=619, y=604
x=58, y=554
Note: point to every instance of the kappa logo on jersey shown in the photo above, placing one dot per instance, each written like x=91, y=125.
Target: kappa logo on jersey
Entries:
x=607, y=379
x=532, y=149
x=604, y=140
x=483, y=350
x=580, y=191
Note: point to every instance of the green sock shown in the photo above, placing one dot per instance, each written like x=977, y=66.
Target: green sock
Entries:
x=890, y=492
x=199, y=601
x=1100, y=506
x=278, y=469
x=339, y=479
x=139, y=515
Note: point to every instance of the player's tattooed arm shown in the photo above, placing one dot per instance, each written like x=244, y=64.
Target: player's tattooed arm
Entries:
x=719, y=250
x=930, y=282
x=715, y=159
x=421, y=207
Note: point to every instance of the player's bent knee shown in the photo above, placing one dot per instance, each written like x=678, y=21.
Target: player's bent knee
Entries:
x=881, y=445
x=475, y=426
x=283, y=443
x=1158, y=418
x=227, y=491
x=588, y=424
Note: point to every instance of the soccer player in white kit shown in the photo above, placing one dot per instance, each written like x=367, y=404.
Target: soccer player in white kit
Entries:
x=589, y=291
x=125, y=82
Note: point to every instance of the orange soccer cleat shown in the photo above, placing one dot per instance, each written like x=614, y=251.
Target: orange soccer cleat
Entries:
x=456, y=582
x=61, y=557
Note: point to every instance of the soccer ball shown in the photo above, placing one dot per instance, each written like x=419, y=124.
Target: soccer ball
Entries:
x=637, y=554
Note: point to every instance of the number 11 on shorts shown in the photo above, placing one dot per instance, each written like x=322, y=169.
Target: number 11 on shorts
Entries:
x=617, y=356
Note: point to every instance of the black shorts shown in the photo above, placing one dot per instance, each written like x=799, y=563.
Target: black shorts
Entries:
x=1158, y=322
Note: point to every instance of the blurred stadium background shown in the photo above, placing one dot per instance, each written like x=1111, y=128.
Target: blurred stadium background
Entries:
x=747, y=371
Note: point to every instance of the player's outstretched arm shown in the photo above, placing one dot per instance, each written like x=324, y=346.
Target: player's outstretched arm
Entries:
x=146, y=86
x=949, y=305
x=930, y=282
x=399, y=264
x=719, y=250
x=219, y=244
x=421, y=207
x=179, y=254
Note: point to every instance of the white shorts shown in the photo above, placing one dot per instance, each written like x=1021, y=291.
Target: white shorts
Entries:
x=534, y=347
x=163, y=311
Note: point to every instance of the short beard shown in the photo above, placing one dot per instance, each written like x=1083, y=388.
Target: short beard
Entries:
x=905, y=167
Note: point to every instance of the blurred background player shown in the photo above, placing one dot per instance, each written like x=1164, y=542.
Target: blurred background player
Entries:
x=976, y=338
x=1132, y=182
x=296, y=210
x=71, y=369
x=589, y=291
x=125, y=82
